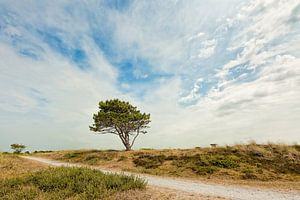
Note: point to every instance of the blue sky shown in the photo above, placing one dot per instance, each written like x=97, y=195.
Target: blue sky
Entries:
x=208, y=71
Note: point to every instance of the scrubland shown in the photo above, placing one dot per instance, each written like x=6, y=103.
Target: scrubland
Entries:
x=266, y=165
x=22, y=179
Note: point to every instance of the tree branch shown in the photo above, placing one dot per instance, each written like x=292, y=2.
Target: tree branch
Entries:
x=137, y=134
x=107, y=130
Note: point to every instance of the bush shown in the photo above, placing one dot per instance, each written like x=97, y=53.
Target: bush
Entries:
x=248, y=173
x=297, y=147
x=71, y=155
x=207, y=160
x=149, y=161
x=224, y=162
x=91, y=159
x=43, y=151
x=204, y=170
x=122, y=158
x=66, y=183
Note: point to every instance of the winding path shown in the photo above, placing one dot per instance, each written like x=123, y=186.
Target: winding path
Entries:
x=231, y=192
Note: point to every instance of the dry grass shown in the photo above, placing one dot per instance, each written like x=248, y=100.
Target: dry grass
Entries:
x=24, y=179
x=12, y=166
x=268, y=165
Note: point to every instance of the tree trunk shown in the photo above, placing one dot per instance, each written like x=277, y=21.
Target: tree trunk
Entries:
x=128, y=148
x=127, y=145
x=127, y=142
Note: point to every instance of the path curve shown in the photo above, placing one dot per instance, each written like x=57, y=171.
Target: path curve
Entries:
x=231, y=192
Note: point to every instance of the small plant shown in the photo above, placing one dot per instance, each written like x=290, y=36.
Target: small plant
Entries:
x=122, y=158
x=71, y=155
x=248, y=173
x=224, y=162
x=92, y=159
x=204, y=170
x=18, y=148
x=149, y=161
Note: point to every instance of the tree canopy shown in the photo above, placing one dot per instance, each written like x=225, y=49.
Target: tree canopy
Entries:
x=122, y=119
x=18, y=148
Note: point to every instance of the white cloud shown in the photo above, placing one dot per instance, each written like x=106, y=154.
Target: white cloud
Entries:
x=198, y=35
x=269, y=22
x=208, y=48
x=194, y=94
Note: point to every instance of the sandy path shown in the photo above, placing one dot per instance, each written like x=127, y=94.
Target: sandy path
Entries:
x=231, y=192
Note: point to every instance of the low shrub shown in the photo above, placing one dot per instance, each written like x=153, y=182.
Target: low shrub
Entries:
x=297, y=147
x=149, y=161
x=171, y=157
x=71, y=155
x=228, y=162
x=64, y=183
x=43, y=151
x=91, y=159
x=203, y=170
x=248, y=173
x=198, y=161
x=122, y=158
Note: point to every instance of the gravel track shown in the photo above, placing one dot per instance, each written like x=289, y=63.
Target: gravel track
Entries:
x=230, y=192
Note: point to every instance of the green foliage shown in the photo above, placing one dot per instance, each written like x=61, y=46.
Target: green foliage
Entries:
x=248, y=173
x=149, y=161
x=120, y=118
x=228, y=162
x=71, y=155
x=122, y=158
x=206, y=164
x=204, y=170
x=18, y=148
x=297, y=147
x=200, y=164
x=43, y=151
x=64, y=183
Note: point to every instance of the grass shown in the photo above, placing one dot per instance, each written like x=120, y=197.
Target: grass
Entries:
x=13, y=166
x=250, y=162
x=22, y=179
x=64, y=183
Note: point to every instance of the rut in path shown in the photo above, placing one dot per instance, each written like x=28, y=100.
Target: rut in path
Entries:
x=231, y=192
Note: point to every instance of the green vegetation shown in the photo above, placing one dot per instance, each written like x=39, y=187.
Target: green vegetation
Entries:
x=206, y=164
x=47, y=151
x=122, y=119
x=63, y=183
x=149, y=161
x=264, y=162
x=18, y=148
x=23, y=179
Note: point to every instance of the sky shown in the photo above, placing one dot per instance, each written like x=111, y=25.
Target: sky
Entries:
x=221, y=72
